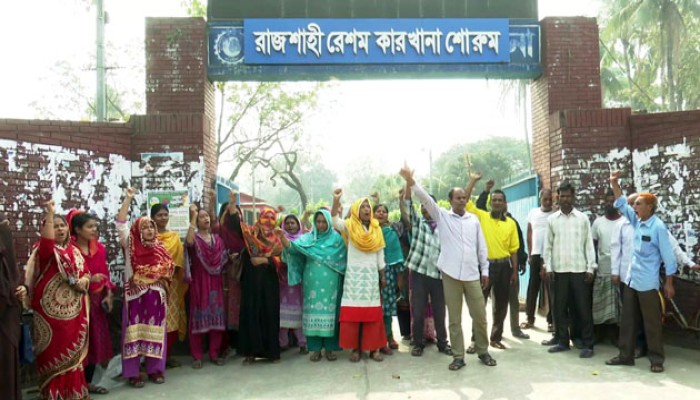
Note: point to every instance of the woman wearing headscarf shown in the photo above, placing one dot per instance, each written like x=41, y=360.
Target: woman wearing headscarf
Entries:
x=229, y=228
x=83, y=231
x=58, y=282
x=12, y=293
x=291, y=294
x=260, y=300
x=147, y=273
x=361, y=318
x=205, y=260
x=176, y=318
x=318, y=260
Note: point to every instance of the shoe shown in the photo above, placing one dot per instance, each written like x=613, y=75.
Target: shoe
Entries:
x=586, y=353
x=446, y=350
x=619, y=361
x=456, y=364
x=521, y=335
x=386, y=350
x=497, y=345
x=527, y=325
x=417, y=351
x=393, y=345
x=487, y=360
x=559, y=348
x=158, y=379
x=550, y=342
x=640, y=353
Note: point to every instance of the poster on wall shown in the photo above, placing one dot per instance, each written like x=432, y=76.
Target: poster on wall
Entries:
x=178, y=203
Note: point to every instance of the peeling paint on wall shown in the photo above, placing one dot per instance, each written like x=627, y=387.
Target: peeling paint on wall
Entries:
x=83, y=179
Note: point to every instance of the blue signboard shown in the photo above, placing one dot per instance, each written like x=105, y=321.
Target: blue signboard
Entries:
x=375, y=41
x=236, y=53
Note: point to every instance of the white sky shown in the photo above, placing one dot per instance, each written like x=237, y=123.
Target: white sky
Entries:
x=391, y=121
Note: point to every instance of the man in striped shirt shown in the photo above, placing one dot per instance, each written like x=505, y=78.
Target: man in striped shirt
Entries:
x=425, y=275
x=570, y=261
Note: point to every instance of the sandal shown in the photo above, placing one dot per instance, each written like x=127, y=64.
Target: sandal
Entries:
x=471, y=349
x=219, y=361
x=386, y=350
x=158, y=379
x=137, y=383
x=330, y=356
x=316, y=356
x=456, y=364
x=417, y=351
x=487, y=360
x=447, y=350
x=376, y=356
x=171, y=362
x=355, y=356
x=197, y=364
x=497, y=345
x=527, y=325
x=656, y=368
x=619, y=361
x=392, y=344
x=303, y=350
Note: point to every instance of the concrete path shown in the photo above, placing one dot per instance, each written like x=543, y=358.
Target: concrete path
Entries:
x=525, y=371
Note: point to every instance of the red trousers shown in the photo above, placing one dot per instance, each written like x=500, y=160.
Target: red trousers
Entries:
x=365, y=336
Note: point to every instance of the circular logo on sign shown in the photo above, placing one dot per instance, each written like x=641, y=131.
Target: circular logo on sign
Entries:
x=229, y=47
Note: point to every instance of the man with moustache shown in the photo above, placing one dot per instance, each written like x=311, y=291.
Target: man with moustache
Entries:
x=570, y=262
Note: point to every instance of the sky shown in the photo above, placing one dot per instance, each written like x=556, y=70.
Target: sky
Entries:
x=387, y=121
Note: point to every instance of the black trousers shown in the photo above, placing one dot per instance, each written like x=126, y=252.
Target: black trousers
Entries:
x=424, y=287
x=533, y=289
x=573, y=293
x=638, y=305
x=499, y=284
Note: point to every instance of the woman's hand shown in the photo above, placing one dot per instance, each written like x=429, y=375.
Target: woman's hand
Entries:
x=108, y=301
x=21, y=293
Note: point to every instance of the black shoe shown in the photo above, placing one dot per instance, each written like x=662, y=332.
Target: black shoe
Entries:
x=559, y=348
x=550, y=342
x=521, y=335
x=446, y=350
x=619, y=361
x=586, y=353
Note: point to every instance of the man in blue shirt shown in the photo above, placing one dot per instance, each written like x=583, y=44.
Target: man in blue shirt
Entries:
x=651, y=247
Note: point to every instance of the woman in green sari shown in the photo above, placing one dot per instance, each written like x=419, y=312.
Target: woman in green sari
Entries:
x=318, y=261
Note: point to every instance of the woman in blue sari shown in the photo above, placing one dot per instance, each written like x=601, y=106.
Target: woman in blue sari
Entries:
x=318, y=260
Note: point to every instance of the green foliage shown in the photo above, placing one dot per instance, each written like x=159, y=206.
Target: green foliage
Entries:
x=497, y=157
x=650, y=54
x=195, y=8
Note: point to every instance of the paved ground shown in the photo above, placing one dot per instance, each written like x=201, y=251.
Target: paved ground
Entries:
x=525, y=371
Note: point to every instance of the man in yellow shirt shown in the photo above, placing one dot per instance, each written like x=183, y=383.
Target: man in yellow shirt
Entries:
x=502, y=243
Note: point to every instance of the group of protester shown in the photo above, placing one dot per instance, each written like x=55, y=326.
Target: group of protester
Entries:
x=333, y=283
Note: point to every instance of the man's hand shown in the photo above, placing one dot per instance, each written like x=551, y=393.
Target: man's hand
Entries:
x=475, y=176
x=615, y=175
x=407, y=174
x=514, y=278
x=522, y=268
x=489, y=185
x=21, y=293
x=484, y=282
x=588, y=278
x=615, y=279
x=669, y=291
x=130, y=193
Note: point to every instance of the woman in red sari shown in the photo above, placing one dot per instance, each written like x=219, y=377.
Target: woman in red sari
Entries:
x=83, y=231
x=58, y=283
x=147, y=274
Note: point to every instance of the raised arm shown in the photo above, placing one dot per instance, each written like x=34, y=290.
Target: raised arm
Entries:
x=621, y=200
x=189, y=239
x=335, y=209
x=425, y=199
x=403, y=208
x=123, y=213
x=482, y=201
x=47, y=231
x=615, y=184
x=473, y=179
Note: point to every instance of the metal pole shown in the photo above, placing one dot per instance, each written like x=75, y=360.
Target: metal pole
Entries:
x=100, y=100
x=255, y=214
x=430, y=168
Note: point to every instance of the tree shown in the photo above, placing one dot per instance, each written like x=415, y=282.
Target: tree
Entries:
x=498, y=157
x=650, y=53
x=260, y=125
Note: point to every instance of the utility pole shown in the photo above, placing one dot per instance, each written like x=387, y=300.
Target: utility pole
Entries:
x=100, y=100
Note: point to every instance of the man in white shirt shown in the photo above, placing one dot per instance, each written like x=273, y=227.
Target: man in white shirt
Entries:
x=464, y=265
x=536, y=229
x=569, y=258
x=606, y=304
